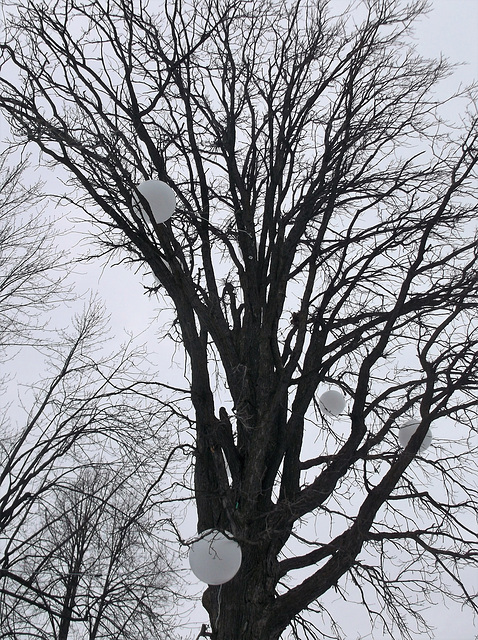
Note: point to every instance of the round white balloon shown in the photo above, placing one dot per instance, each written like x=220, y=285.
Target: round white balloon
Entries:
x=407, y=430
x=161, y=198
x=215, y=558
x=332, y=403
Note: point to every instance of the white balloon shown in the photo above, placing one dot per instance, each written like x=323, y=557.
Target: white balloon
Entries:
x=332, y=403
x=407, y=430
x=161, y=198
x=215, y=558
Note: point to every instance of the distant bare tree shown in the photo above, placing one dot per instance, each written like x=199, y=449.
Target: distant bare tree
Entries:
x=86, y=412
x=91, y=405
x=106, y=569
x=324, y=236
x=31, y=269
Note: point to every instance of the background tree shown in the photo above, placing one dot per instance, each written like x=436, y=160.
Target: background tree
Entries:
x=31, y=282
x=104, y=565
x=324, y=235
x=31, y=267
x=84, y=411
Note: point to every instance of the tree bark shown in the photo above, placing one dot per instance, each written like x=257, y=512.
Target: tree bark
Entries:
x=240, y=609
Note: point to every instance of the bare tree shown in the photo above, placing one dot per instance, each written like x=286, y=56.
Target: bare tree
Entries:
x=106, y=568
x=84, y=410
x=31, y=267
x=31, y=283
x=324, y=236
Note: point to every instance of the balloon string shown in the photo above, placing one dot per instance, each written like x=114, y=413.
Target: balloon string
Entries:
x=218, y=604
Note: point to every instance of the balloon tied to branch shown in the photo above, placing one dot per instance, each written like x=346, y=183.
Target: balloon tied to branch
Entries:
x=161, y=199
x=407, y=430
x=215, y=557
x=332, y=403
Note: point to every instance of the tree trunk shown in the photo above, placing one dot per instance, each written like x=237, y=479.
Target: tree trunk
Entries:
x=240, y=609
x=68, y=604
